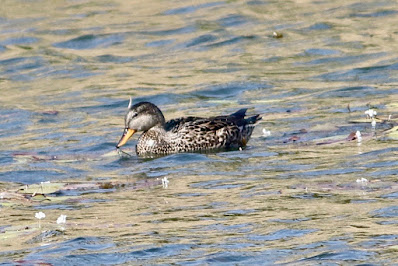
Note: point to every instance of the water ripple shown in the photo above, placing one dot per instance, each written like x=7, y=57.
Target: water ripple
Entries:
x=387, y=212
x=282, y=234
x=68, y=68
x=91, y=41
x=201, y=39
x=347, y=256
x=230, y=90
x=191, y=8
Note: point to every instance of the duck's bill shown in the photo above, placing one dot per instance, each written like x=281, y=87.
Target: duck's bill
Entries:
x=126, y=136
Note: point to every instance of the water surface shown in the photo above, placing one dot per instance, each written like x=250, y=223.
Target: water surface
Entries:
x=306, y=194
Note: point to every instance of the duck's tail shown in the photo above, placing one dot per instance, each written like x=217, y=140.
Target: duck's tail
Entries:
x=246, y=125
x=240, y=119
x=249, y=127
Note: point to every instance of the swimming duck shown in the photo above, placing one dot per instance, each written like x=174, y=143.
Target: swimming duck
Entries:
x=186, y=134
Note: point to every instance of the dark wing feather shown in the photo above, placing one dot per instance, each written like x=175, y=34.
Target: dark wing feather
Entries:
x=240, y=113
x=174, y=125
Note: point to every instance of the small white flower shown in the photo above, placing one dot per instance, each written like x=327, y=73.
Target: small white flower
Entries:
x=359, y=136
x=373, y=123
x=165, y=182
x=40, y=215
x=61, y=219
x=362, y=180
x=266, y=133
x=370, y=113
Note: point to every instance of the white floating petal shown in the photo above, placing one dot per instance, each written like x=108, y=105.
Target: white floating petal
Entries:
x=362, y=180
x=165, y=182
x=61, y=219
x=359, y=136
x=266, y=133
x=40, y=215
x=371, y=113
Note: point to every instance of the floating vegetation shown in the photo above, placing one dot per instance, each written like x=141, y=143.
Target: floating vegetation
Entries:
x=277, y=35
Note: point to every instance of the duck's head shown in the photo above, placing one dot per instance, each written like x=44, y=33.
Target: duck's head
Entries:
x=140, y=117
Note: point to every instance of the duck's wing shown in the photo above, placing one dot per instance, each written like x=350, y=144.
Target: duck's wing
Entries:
x=246, y=125
x=214, y=132
x=214, y=123
x=196, y=134
x=239, y=119
x=198, y=124
x=174, y=125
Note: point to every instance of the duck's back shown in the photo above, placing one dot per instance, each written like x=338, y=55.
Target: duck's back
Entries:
x=192, y=134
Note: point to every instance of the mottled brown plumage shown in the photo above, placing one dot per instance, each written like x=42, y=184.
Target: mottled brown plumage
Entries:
x=186, y=134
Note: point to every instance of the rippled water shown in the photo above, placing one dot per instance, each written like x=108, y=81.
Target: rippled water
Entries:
x=306, y=194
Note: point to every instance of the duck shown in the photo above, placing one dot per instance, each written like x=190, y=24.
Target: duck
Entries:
x=185, y=134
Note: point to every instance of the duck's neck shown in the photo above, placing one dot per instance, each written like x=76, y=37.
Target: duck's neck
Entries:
x=157, y=128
